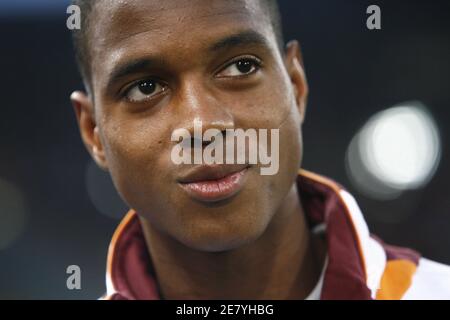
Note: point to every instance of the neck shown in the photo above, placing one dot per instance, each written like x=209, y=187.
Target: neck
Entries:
x=282, y=264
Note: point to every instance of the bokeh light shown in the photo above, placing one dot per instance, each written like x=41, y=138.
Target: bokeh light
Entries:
x=398, y=149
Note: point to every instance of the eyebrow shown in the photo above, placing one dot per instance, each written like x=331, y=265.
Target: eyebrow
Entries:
x=248, y=37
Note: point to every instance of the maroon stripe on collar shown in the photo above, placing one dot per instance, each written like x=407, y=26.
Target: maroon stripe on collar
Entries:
x=345, y=276
x=398, y=253
x=129, y=265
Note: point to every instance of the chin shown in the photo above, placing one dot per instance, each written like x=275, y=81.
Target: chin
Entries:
x=221, y=238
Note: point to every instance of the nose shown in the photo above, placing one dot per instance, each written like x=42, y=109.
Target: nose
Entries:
x=198, y=106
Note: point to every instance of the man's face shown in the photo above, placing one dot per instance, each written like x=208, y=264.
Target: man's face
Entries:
x=159, y=66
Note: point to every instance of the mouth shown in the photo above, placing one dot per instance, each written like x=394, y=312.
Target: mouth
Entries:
x=214, y=183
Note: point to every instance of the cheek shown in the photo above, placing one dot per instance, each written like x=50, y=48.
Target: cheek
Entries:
x=290, y=152
x=136, y=159
x=291, y=143
x=290, y=149
x=266, y=106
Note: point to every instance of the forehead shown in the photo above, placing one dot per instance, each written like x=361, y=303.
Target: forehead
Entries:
x=121, y=27
x=118, y=19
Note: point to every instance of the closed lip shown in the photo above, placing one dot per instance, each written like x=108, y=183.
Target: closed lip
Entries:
x=214, y=183
x=210, y=172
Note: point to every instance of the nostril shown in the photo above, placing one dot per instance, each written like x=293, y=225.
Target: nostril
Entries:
x=198, y=142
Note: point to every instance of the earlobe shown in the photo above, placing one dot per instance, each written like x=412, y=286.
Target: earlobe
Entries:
x=89, y=131
x=294, y=63
x=98, y=151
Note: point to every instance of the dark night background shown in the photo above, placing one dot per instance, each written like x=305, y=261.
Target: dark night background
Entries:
x=51, y=209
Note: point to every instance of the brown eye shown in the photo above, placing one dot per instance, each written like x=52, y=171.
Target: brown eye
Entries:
x=147, y=87
x=242, y=67
x=144, y=90
x=245, y=66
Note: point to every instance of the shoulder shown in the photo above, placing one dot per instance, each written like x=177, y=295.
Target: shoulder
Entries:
x=430, y=281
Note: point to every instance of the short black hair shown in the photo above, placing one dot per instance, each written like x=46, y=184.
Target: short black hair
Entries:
x=81, y=40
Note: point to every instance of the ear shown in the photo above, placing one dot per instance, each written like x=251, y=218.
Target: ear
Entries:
x=84, y=111
x=294, y=65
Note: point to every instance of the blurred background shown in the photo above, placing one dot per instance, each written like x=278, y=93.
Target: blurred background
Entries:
x=377, y=122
